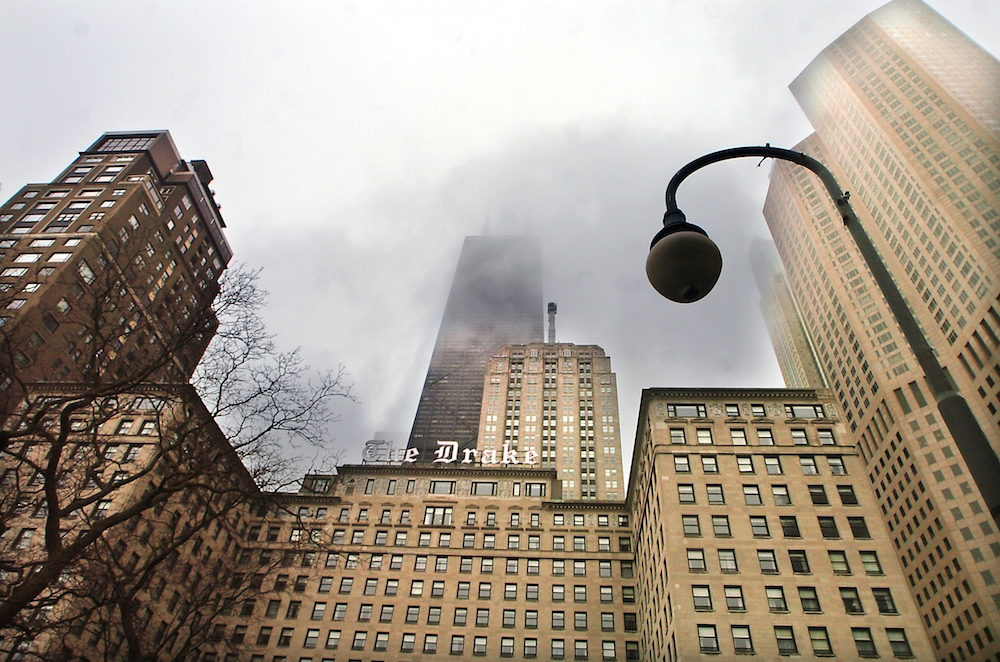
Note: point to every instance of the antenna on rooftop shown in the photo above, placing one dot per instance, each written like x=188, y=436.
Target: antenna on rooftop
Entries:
x=552, y=323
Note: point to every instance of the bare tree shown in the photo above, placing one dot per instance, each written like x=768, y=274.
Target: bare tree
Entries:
x=123, y=489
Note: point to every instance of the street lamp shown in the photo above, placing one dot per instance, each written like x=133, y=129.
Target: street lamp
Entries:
x=684, y=264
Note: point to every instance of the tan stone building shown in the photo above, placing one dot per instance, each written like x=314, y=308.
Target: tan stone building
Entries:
x=558, y=401
x=416, y=561
x=906, y=116
x=757, y=534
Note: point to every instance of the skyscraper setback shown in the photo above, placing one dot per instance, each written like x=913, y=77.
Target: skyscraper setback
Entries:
x=906, y=111
x=495, y=300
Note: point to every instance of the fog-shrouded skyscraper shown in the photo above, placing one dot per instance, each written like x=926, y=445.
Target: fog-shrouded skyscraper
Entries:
x=906, y=111
x=558, y=401
x=495, y=300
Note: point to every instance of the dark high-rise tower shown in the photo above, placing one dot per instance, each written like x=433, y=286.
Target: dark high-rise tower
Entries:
x=495, y=300
x=907, y=116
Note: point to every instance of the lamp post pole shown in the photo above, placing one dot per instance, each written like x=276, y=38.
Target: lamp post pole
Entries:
x=958, y=417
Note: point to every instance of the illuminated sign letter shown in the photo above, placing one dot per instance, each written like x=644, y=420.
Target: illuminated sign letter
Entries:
x=470, y=455
x=489, y=456
x=509, y=454
x=531, y=457
x=411, y=455
x=447, y=452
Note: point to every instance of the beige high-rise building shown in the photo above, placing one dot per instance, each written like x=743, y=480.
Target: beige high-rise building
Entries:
x=755, y=533
x=906, y=111
x=558, y=401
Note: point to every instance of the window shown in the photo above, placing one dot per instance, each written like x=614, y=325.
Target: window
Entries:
x=900, y=645
x=751, y=494
x=530, y=619
x=486, y=565
x=727, y=560
x=579, y=544
x=580, y=620
x=851, y=600
x=863, y=640
x=785, y=636
x=513, y=541
x=847, y=496
x=441, y=564
x=489, y=540
x=781, y=497
x=826, y=437
x=818, y=495
x=482, y=488
x=558, y=567
x=430, y=643
x=381, y=641
x=461, y=616
x=708, y=642
x=772, y=463
x=776, y=599
x=371, y=586
x=604, y=544
x=558, y=649
x=510, y=591
x=530, y=647
x=579, y=593
x=799, y=561
x=558, y=620
x=741, y=639
x=804, y=411
x=438, y=515
x=883, y=598
x=765, y=437
x=677, y=436
x=365, y=613
x=738, y=436
x=691, y=525
x=809, y=599
x=720, y=526
x=686, y=411
x=704, y=436
x=580, y=568
x=485, y=590
x=442, y=487
x=870, y=562
x=859, y=528
x=391, y=586
x=799, y=437
x=836, y=463
x=702, y=596
x=745, y=464
x=346, y=584
x=685, y=493
x=790, y=526
x=838, y=561
x=758, y=525
x=808, y=464
x=407, y=642
x=434, y=615
x=715, y=495
x=509, y=618
x=696, y=560
x=479, y=645
x=457, y=644
x=580, y=649
x=820, y=641
x=482, y=618
x=682, y=464
x=709, y=464
x=339, y=611
x=534, y=489
x=412, y=614
x=318, y=612
x=385, y=616
x=559, y=542
x=469, y=540
x=828, y=527
x=734, y=598
x=768, y=561
x=558, y=593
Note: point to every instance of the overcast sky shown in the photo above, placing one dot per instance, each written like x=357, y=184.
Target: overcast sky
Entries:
x=355, y=144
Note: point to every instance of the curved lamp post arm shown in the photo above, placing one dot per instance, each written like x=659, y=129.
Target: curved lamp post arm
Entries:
x=958, y=417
